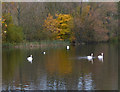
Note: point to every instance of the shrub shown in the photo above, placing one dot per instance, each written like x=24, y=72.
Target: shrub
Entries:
x=14, y=34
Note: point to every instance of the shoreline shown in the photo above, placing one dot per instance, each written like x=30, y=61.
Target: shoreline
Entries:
x=42, y=44
x=48, y=44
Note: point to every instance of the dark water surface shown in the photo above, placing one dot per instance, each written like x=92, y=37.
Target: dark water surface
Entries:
x=61, y=69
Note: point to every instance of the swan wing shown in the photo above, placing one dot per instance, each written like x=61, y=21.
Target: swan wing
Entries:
x=29, y=58
x=100, y=56
x=89, y=57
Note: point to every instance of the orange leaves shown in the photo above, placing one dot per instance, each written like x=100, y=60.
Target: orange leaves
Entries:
x=61, y=26
x=51, y=24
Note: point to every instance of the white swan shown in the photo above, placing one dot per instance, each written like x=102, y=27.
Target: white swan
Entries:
x=68, y=47
x=44, y=52
x=30, y=58
x=90, y=57
x=100, y=56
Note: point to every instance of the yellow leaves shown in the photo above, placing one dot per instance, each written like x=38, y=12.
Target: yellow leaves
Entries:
x=88, y=8
x=64, y=25
x=5, y=31
x=61, y=26
x=3, y=22
x=5, y=25
x=65, y=21
x=85, y=11
x=64, y=17
x=58, y=37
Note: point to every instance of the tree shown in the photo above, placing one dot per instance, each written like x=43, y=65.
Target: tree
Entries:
x=118, y=19
x=51, y=26
x=65, y=25
x=11, y=33
x=6, y=20
x=14, y=34
x=61, y=26
x=93, y=24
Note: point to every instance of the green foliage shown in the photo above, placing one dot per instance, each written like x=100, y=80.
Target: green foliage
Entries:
x=6, y=20
x=14, y=34
x=114, y=40
x=10, y=32
x=44, y=35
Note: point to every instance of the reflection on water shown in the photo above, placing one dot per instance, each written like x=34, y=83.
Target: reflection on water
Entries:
x=61, y=69
x=86, y=82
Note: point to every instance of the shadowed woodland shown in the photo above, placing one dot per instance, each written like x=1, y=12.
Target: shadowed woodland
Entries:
x=74, y=22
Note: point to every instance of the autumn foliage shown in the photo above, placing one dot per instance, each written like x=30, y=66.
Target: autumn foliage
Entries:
x=75, y=22
x=10, y=32
x=92, y=23
x=61, y=26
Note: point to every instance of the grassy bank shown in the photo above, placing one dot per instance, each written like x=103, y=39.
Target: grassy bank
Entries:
x=41, y=44
x=48, y=43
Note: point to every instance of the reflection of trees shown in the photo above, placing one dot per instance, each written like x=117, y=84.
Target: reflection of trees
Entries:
x=85, y=75
x=106, y=77
x=85, y=82
x=54, y=83
x=60, y=66
x=56, y=71
x=58, y=62
x=20, y=76
x=11, y=60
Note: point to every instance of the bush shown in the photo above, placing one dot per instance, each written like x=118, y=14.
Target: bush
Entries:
x=14, y=34
x=114, y=39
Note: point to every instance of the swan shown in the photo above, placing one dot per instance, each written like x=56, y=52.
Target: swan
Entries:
x=68, y=47
x=44, y=52
x=100, y=56
x=30, y=58
x=90, y=57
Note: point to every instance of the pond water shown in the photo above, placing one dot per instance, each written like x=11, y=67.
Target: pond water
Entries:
x=61, y=69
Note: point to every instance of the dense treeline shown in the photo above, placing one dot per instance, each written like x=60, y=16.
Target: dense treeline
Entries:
x=75, y=22
x=118, y=4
